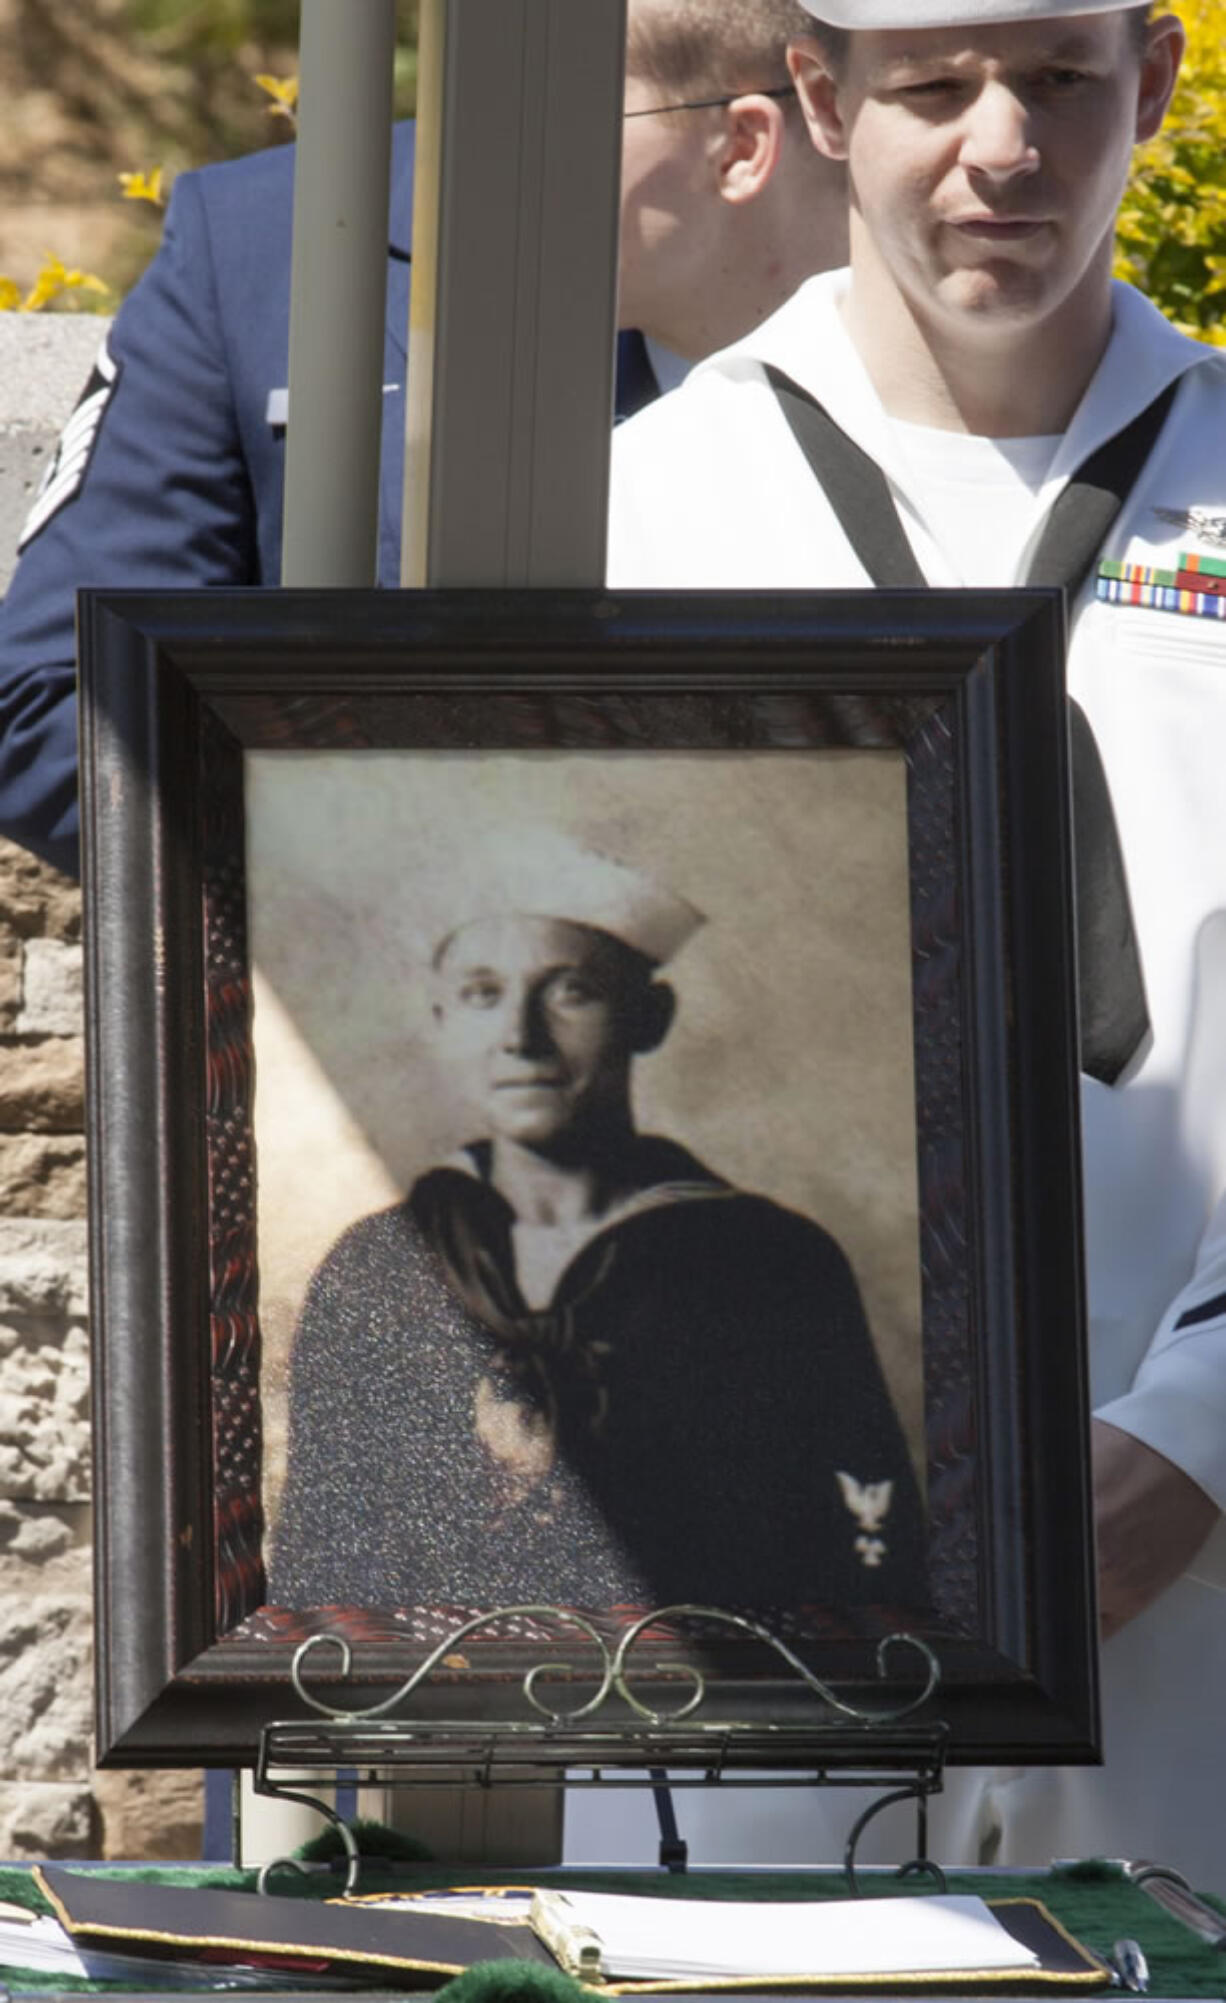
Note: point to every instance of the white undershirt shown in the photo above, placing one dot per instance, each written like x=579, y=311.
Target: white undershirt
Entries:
x=977, y=495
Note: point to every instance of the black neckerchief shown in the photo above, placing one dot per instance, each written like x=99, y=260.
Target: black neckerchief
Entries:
x=468, y=1225
x=1114, y=1014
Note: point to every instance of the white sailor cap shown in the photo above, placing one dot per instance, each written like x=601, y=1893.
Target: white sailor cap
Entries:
x=952, y=13
x=542, y=873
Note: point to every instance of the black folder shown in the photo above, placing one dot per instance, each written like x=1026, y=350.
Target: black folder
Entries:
x=398, y=1949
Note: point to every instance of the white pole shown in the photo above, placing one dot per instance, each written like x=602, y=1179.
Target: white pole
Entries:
x=338, y=299
x=510, y=386
x=509, y=411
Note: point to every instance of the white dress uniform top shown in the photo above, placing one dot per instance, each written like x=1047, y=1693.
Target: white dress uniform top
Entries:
x=709, y=491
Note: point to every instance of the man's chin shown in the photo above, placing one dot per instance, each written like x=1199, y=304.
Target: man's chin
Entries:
x=998, y=293
x=538, y=1129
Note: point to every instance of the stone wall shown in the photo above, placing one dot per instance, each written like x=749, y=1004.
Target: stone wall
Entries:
x=52, y=1801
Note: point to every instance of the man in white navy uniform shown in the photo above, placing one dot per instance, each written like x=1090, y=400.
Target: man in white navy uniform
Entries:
x=979, y=353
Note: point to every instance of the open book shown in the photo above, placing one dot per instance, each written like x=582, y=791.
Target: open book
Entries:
x=898, y=1943
x=608, y=1936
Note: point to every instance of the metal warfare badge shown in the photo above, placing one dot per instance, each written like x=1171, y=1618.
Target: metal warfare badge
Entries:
x=1200, y=522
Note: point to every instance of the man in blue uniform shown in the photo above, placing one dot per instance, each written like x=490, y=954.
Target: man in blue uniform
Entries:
x=170, y=471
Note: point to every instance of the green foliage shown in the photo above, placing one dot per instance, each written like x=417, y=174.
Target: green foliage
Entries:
x=223, y=25
x=226, y=32
x=133, y=92
x=1171, y=240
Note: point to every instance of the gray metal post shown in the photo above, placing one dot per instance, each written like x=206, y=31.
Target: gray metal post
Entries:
x=511, y=349
x=339, y=292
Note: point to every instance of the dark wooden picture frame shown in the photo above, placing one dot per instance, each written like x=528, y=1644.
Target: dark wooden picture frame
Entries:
x=176, y=689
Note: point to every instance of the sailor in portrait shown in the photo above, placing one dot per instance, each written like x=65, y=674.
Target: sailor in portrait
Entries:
x=577, y=1365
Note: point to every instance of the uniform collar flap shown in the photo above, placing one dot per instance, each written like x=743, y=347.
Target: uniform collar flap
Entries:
x=808, y=341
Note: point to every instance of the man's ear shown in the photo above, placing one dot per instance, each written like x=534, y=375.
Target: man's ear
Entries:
x=818, y=91
x=753, y=140
x=654, y=1017
x=1164, y=46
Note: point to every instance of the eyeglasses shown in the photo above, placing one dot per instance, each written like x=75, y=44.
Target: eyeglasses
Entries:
x=709, y=103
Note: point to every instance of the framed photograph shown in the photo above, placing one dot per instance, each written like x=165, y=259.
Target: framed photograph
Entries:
x=582, y=1100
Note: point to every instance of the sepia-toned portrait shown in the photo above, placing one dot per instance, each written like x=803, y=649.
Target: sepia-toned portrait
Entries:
x=587, y=1208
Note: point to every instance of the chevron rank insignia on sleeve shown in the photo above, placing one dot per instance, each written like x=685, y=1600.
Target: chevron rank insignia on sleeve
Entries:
x=65, y=475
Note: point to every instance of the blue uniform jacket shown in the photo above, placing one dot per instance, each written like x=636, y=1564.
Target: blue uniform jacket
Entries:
x=171, y=472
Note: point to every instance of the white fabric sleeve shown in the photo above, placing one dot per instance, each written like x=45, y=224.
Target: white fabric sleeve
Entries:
x=1177, y=1401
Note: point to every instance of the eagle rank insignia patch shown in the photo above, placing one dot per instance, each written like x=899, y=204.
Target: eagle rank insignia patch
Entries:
x=869, y=1502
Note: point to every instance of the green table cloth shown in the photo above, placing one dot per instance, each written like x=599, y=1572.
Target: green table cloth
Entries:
x=1093, y=1900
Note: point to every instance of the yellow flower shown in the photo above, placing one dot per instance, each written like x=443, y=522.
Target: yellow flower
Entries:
x=284, y=94
x=54, y=279
x=143, y=187
x=47, y=285
x=10, y=296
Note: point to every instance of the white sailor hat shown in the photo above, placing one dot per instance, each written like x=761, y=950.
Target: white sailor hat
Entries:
x=952, y=13
x=542, y=873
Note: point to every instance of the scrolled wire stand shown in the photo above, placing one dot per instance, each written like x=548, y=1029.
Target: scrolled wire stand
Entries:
x=614, y=1731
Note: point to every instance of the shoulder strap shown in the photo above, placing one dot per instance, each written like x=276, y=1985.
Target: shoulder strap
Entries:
x=859, y=493
x=854, y=485
x=1114, y=1012
x=1083, y=512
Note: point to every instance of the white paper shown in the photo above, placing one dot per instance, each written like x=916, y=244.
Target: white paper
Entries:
x=835, y=1937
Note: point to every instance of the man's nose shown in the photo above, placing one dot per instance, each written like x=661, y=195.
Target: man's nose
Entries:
x=997, y=141
x=523, y=1022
